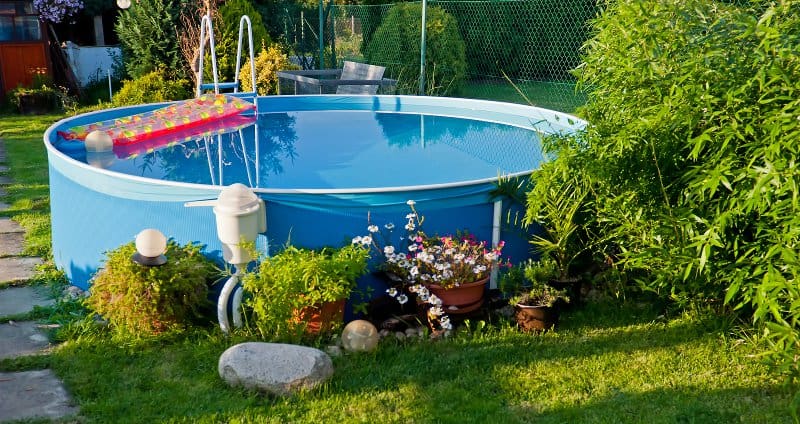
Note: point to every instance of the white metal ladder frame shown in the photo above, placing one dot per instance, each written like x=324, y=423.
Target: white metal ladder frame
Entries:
x=205, y=25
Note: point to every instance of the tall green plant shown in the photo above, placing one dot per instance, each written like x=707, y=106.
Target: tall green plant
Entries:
x=691, y=154
x=148, y=34
x=228, y=29
x=396, y=45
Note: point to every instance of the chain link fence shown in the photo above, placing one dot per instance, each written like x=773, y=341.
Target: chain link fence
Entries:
x=520, y=51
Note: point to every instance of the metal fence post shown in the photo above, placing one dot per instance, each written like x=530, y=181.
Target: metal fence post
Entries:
x=422, y=51
x=321, y=38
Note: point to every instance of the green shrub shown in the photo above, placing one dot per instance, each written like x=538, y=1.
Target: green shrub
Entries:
x=153, y=87
x=298, y=278
x=228, y=29
x=144, y=301
x=148, y=36
x=691, y=156
x=396, y=45
x=268, y=62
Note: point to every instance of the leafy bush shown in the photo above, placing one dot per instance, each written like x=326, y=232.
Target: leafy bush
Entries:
x=143, y=301
x=691, y=156
x=396, y=45
x=148, y=36
x=153, y=87
x=298, y=278
x=268, y=62
x=231, y=12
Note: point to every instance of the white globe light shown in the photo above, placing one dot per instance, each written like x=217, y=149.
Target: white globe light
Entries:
x=151, y=243
x=123, y=4
x=98, y=141
x=360, y=335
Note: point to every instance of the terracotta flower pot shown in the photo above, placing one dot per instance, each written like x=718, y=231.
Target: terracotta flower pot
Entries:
x=535, y=318
x=320, y=318
x=462, y=299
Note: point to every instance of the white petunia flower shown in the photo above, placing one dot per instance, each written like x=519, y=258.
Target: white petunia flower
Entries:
x=391, y=291
x=366, y=240
x=411, y=203
x=402, y=299
x=388, y=250
x=411, y=216
x=389, y=226
x=356, y=240
x=372, y=228
x=410, y=226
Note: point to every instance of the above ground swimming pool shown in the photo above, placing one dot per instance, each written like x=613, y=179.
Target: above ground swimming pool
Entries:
x=323, y=165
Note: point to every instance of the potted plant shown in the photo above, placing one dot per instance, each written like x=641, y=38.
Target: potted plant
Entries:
x=555, y=209
x=302, y=290
x=537, y=306
x=447, y=273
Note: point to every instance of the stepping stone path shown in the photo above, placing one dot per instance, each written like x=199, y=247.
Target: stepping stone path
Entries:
x=25, y=395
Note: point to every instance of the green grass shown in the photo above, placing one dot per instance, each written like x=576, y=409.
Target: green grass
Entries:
x=608, y=362
x=29, y=195
x=550, y=95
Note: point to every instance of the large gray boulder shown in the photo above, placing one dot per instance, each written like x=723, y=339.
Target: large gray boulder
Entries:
x=276, y=368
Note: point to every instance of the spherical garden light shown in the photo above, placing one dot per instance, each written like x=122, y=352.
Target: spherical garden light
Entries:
x=123, y=4
x=360, y=336
x=150, y=247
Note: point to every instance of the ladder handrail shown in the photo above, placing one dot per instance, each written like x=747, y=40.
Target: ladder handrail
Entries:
x=205, y=22
x=245, y=20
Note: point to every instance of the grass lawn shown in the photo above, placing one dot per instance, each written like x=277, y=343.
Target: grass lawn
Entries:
x=550, y=95
x=610, y=361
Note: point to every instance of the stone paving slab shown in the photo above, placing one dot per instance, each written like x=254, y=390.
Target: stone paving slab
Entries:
x=13, y=269
x=11, y=244
x=5, y=180
x=4, y=206
x=34, y=394
x=8, y=225
x=19, y=300
x=3, y=168
x=21, y=339
x=3, y=192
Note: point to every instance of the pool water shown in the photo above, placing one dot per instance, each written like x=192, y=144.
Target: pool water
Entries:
x=343, y=149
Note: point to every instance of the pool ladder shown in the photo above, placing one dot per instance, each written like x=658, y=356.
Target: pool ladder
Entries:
x=205, y=25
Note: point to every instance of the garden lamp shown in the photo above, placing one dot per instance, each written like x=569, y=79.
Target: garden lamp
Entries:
x=150, y=247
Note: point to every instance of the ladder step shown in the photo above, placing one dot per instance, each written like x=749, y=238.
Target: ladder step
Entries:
x=221, y=85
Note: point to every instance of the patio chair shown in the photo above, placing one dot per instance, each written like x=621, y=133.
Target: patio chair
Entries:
x=353, y=78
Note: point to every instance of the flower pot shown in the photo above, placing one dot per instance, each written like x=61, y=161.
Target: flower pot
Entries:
x=320, y=318
x=535, y=318
x=462, y=299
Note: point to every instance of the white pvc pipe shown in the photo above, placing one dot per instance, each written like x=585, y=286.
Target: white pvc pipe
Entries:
x=222, y=303
x=496, y=216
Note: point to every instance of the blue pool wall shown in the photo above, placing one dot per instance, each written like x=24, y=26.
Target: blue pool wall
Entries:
x=94, y=210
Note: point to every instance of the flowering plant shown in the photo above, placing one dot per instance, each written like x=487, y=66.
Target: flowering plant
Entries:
x=56, y=10
x=446, y=261
x=423, y=261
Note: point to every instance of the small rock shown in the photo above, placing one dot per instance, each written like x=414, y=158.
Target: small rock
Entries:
x=400, y=335
x=276, y=368
x=411, y=332
x=506, y=311
x=333, y=351
x=74, y=292
x=384, y=333
x=421, y=331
